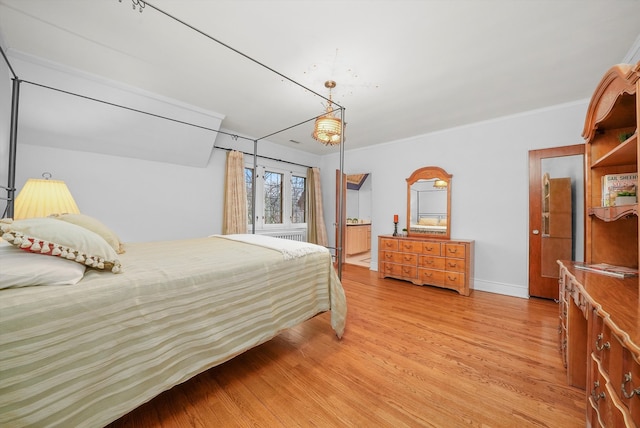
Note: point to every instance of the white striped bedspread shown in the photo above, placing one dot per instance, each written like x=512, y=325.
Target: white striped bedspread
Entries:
x=86, y=354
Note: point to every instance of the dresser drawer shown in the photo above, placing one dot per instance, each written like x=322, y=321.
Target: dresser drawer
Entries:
x=454, y=250
x=400, y=258
x=388, y=244
x=410, y=246
x=394, y=269
x=454, y=265
x=454, y=279
x=631, y=381
x=432, y=248
x=431, y=262
x=431, y=276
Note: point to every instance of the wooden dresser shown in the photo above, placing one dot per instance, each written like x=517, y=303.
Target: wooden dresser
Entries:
x=600, y=343
x=423, y=261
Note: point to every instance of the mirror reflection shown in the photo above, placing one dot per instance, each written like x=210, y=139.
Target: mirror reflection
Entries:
x=428, y=202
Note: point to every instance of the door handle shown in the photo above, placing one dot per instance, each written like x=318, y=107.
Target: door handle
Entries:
x=535, y=231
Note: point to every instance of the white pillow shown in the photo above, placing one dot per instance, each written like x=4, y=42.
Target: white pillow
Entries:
x=23, y=269
x=51, y=237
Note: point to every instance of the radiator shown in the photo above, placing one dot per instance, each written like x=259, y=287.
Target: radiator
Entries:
x=293, y=235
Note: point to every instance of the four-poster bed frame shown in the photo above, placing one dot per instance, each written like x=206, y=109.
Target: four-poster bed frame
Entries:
x=15, y=99
x=88, y=353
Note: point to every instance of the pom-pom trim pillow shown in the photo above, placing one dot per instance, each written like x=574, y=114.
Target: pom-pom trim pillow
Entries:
x=48, y=236
x=95, y=226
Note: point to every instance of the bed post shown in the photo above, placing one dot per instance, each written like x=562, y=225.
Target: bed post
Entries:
x=253, y=186
x=13, y=133
x=339, y=244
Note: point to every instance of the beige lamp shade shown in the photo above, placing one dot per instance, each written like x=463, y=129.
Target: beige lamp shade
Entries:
x=41, y=198
x=440, y=184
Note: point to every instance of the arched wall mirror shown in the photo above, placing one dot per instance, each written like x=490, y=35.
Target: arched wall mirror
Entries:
x=429, y=203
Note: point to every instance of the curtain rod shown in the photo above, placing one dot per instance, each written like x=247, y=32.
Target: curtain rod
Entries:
x=263, y=157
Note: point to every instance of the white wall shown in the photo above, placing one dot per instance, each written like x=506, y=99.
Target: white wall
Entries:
x=143, y=200
x=489, y=204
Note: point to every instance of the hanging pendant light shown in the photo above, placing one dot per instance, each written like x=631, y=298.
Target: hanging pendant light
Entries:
x=328, y=128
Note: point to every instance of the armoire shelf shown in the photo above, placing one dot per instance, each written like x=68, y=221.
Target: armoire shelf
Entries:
x=614, y=213
x=624, y=154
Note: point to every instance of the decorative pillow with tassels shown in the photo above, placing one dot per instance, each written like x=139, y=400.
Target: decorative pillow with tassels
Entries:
x=95, y=226
x=48, y=236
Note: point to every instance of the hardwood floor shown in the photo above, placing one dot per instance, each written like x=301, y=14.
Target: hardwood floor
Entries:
x=411, y=356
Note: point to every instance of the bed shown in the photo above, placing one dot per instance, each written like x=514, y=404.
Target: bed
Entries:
x=86, y=354
x=432, y=223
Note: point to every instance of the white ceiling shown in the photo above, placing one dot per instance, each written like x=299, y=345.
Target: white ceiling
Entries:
x=403, y=68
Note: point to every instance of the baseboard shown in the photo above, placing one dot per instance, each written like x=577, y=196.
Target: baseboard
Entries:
x=501, y=288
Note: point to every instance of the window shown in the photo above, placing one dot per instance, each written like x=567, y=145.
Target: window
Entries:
x=272, y=197
x=248, y=181
x=298, y=199
x=280, y=196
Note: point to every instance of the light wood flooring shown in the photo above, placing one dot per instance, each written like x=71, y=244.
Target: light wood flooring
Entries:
x=410, y=357
x=362, y=259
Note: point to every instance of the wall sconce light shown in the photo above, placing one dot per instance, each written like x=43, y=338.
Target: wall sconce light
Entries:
x=41, y=197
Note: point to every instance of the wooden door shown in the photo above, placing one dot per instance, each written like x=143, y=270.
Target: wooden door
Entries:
x=544, y=285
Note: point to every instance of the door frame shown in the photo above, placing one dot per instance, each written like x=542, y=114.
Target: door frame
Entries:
x=535, y=215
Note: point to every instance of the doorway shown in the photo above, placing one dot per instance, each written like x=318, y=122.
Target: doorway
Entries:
x=565, y=162
x=356, y=218
x=358, y=221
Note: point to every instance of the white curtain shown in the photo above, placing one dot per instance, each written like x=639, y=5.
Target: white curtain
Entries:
x=235, y=195
x=316, y=230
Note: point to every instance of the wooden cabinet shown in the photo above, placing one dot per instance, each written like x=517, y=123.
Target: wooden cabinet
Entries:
x=600, y=343
x=600, y=315
x=358, y=239
x=439, y=262
x=557, y=221
x=611, y=136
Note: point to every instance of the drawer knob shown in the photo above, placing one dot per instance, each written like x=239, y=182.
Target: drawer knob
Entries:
x=594, y=392
x=605, y=345
x=627, y=379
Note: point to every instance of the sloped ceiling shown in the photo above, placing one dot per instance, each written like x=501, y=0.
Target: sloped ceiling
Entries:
x=403, y=67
